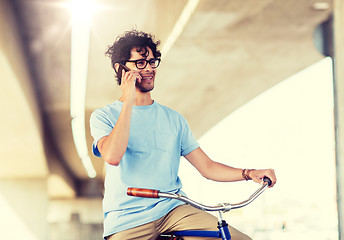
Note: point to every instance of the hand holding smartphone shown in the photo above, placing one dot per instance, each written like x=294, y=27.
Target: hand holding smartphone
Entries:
x=120, y=70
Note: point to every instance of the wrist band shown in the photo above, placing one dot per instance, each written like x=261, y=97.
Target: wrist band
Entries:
x=246, y=174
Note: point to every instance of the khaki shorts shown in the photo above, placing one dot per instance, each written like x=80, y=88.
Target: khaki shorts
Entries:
x=183, y=217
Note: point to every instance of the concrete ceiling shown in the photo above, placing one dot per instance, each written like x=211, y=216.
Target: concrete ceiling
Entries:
x=228, y=53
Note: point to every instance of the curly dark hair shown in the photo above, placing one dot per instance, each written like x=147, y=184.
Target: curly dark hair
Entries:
x=120, y=50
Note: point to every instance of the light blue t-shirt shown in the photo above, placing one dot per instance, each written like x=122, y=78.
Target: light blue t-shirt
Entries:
x=158, y=138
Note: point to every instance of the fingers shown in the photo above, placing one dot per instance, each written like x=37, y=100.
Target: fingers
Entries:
x=131, y=76
x=258, y=175
x=271, y=174
x=138, y=77
x=128, y=87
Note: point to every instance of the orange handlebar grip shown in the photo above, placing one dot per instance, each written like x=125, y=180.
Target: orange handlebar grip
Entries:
x=141, y=192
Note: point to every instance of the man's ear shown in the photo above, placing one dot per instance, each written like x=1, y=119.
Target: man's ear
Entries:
x=116, y=67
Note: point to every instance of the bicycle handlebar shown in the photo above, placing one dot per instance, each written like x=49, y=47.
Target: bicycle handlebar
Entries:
x=267, y=180
x=150, y=193
x=142, y=192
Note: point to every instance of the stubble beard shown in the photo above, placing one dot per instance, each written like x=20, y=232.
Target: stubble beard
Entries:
x=144, y=89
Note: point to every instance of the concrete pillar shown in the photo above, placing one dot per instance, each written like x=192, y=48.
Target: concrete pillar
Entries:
x=75, y=219
x=339, y=107
x=23, y=208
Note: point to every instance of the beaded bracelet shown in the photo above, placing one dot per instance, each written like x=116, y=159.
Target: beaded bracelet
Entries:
x=246, y=174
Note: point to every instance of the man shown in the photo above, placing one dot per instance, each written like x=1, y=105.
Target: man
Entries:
x=141, y=142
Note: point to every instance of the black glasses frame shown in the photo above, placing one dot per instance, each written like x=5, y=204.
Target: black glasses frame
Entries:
x=147, y=61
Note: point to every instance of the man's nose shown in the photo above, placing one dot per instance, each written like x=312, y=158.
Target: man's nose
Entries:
x=148, y=67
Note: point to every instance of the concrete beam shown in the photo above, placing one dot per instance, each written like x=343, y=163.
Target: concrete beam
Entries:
x=21, y=145
x=23, y=142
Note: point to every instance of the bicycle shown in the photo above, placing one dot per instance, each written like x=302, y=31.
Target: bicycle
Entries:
x=223, y=231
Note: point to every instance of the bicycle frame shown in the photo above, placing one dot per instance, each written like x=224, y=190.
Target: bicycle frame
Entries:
x=221, y=208
x=223, y=232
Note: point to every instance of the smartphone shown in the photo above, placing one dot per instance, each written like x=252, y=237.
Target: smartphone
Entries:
x=120, y=69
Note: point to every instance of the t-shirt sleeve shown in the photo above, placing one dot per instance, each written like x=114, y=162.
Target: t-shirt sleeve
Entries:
x=189, y=142
x=100, y=126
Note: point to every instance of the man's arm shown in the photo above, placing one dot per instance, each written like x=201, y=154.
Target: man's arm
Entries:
x=222, y=173
x=113, y=146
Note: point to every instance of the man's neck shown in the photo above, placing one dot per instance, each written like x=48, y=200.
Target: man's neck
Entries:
x=142, y=99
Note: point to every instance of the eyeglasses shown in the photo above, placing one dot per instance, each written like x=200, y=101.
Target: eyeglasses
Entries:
x=142, y=63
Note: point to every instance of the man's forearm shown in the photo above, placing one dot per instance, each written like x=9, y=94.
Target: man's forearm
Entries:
x=220, y=172
x=113, y=146
x=223, y=173
x=213, y=170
